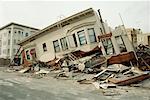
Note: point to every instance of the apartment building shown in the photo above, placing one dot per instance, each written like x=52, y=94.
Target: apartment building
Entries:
x=82, y=31
x=144, y=39
x=134, y=35
x=10, y=35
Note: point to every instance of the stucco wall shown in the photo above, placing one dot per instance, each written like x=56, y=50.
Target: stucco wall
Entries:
x=84, y=24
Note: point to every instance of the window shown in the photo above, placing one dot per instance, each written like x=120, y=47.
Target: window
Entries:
x=8, y=51
x=107, y=43
x=75, y=40
x=91, y=33
x=5, y=34
x=27, y=34
x=44, y=47
x=72, y=41
x=28, y=55
x=14, y=41
x=0, y=43
x=14, y=51
x=56, y=46
x=15, y=32
x=4, y=51
x=4, y=42
x=19, y=32
x=120, y=43
x=9, y=31
x=22, y=33
x=64, y=44
x=101, y=30
x=8, y=41
x=82, y=38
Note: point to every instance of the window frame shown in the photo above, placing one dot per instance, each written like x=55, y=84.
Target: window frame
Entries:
x=93, y=35
x=82, y=38
x=119, y=44
x=44, y=47
x=107, y=43
x=56, y=46
x=64, y=43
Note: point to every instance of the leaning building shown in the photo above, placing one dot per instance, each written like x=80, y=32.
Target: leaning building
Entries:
x=82, y=31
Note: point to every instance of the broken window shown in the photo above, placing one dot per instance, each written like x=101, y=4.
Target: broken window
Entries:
x=56, y=46
x=107, y=43
x=64, y=44
x=44, y=47
x=72, y=40
x=120, y=43
x=82, y=37
x=92, y=36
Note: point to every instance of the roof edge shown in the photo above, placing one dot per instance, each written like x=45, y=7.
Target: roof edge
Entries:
x=13, y=23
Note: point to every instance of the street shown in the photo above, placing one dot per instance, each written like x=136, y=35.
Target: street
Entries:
x=16, y=86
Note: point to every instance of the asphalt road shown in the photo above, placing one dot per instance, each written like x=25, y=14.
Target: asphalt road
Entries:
x=15, y=86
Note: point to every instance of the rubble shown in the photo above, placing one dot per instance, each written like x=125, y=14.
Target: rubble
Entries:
x=104, y=72
x=107, y=85
x=143, y=54
x=129, y=80
x=42, y=72
x=24, y=69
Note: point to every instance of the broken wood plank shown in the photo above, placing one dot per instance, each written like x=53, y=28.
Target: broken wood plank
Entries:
x=25, y=70
x=100, y=73
x=130, y=80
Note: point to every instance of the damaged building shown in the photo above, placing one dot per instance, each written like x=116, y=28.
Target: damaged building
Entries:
x=81, y=32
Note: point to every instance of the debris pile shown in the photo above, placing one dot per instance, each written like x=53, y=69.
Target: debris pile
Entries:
x=143, y=53
x=93, y=68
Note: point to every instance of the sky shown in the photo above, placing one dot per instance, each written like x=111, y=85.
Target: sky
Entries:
x=40, y=14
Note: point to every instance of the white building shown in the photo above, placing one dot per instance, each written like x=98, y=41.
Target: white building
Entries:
x=144, y=39
x=82, y=31
x=10, y=35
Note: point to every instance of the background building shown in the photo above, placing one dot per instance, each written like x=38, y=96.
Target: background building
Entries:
x=144, y=39
x=10, y=35
x=134, y=35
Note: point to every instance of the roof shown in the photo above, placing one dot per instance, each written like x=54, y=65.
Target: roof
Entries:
x=12, y=23
x=57, y=24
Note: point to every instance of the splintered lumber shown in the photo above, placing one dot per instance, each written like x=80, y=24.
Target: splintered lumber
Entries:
x=121, y=58
x=107, y=85
x=100, y=73
x=84, y=81
x=25, y=70
x=130, y=80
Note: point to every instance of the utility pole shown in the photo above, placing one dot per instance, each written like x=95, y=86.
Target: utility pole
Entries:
x=126, y=33
x=101, y=20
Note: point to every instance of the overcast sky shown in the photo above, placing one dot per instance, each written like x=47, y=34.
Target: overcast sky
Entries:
x=40, y=14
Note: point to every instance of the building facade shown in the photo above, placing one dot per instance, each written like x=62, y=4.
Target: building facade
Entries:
x=82, y=31
x=134, y=35
x=10, y=35
x=144, y=39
